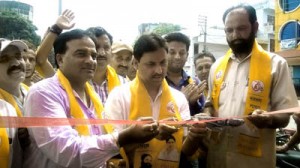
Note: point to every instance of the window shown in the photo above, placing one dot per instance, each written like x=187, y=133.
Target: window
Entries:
x=289, y=5
x=271, y=20
x=290, y=30
x=290, y=35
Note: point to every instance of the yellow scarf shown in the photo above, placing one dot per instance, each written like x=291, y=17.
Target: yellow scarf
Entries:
x=4, y=144
x=40, y=71
x=75, y=109
x=112, y=78
x=140, y=99
x=141, y=106
x=4, y=148
x=10, y=99
x=259, y=83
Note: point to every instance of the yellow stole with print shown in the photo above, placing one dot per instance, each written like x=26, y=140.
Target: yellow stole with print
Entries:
x=112, y=78
x=259, y=85
x=75, y=109
x=140, y=107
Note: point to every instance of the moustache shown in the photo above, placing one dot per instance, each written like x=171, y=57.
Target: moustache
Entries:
x=12, y=68
x=158, y=76
x=121, y=66
x=238, y=41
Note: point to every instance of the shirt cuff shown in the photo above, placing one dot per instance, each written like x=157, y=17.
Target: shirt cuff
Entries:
x=115, y=136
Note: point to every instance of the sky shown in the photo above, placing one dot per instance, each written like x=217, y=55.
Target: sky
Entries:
x=121, y=18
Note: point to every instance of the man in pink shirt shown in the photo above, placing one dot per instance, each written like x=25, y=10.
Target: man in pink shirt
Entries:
x=68, y=95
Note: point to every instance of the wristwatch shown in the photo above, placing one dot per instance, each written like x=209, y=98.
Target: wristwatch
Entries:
x=55, y=29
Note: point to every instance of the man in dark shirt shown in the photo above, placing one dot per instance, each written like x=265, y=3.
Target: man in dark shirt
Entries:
x=178, y=46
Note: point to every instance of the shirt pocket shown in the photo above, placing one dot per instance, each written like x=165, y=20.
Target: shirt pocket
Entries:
x=223, y=92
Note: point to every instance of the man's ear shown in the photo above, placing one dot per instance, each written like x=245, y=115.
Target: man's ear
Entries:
x=59, y=59
x=255, y=27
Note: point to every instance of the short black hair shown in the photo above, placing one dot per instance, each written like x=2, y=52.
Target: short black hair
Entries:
x=204, y=54
x=250, y=10
x=98, y=32
x=147, y=43
x=60, y=44
x=180, y=37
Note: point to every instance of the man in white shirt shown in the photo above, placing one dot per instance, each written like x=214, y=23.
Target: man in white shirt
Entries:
x=149, y=95
x=247, y=82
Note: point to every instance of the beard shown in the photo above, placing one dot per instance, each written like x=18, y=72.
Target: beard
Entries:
x=175, y=69
x=242, y=46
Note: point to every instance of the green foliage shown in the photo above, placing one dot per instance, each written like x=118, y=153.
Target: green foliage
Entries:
x=15, y=26
x=165, y=28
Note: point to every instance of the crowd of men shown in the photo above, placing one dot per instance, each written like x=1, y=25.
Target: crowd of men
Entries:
x=97, y=78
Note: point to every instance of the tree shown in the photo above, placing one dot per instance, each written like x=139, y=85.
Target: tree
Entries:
x=15, y=26
x=165, y=28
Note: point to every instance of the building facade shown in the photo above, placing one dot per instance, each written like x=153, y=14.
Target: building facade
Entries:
x=287, y=36
x=21, y=8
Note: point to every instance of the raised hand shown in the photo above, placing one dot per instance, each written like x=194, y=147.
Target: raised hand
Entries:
x=64, y=21
x=193, y=92
x=202, y=86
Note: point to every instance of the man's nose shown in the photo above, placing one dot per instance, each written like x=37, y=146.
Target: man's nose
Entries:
x=236, y=34
x=15, y=61
x=101, y=51
x=205, y=70
x=124, y=63
x=177, y=56
x=158, y=69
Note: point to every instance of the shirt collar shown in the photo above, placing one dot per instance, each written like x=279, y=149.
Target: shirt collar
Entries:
x=233, y=57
